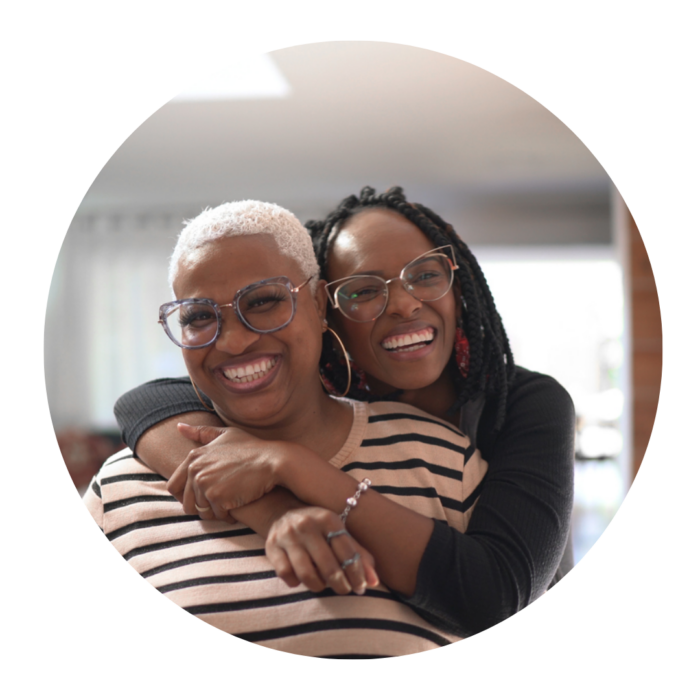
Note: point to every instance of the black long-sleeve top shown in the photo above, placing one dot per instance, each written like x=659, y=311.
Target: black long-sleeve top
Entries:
x=518, y=541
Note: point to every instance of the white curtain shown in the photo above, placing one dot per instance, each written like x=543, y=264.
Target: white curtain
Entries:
x=102, y=336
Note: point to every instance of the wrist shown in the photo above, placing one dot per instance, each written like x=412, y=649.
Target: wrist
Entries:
x=262, y=514
x=286, y=464
x=277, y=504
x=312, y=479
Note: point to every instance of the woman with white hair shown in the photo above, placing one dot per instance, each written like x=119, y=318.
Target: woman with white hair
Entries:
x=338, y=493
x=392, y=267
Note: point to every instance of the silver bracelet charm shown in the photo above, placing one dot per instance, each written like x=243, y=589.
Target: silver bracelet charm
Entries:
x=352, y=501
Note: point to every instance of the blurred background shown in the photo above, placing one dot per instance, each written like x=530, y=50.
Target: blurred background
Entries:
x=306, y=126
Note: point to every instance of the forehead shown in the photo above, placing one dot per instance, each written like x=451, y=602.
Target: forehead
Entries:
x=376, y=239
x=221, y=267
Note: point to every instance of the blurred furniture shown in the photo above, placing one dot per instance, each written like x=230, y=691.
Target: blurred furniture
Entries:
x=78, y=455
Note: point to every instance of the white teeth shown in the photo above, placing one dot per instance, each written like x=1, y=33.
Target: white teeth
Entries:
x=249, y=373
x=398, y=342
x=410, y=348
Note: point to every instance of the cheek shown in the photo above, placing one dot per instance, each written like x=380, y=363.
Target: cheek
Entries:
x=304, y=342
x=355, y=336
x=343, y=327
x=194, y=360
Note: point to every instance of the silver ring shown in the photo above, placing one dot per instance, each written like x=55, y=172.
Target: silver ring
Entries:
x=335, y=533
x=202, y=510
x=349, y=562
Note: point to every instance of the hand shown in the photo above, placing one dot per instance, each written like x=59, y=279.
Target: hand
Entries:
x=298, y=549
x=179, y=494
x=229, y=470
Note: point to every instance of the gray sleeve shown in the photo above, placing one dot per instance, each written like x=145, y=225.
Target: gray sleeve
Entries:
x=153, y=402
x=518, y=533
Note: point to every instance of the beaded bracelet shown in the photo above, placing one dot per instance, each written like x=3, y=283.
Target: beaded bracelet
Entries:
x=352, y=501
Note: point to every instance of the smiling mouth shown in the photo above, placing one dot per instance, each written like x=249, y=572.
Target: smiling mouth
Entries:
x=409, y=342
x=251, y=372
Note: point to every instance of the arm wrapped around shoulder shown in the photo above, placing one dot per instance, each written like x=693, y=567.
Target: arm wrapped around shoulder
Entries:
x=519, y=527
x=151, y=403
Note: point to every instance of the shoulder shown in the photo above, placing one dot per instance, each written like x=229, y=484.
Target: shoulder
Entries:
x=539, y=411
x=125, y=493
x=400, y=425
x=155, y=387
x=532, y=391
x=410, y=417
x=526, y=380
x=530, y=396
x=121, y=466
x=121, y=472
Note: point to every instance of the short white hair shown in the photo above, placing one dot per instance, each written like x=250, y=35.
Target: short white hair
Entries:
x=247, y=218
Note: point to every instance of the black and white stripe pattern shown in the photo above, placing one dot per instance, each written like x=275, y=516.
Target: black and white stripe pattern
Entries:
x=219, y=572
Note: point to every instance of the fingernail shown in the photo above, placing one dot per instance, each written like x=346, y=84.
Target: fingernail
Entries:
x=361, y=589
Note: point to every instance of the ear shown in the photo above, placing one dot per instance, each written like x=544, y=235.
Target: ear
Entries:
x=321, y=299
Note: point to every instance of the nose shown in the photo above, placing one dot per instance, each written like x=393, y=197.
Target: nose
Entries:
x=235, y=337
x=400, y=302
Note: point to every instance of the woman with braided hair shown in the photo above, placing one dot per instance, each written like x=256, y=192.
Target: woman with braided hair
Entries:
x=416, y=338
x=482, y=351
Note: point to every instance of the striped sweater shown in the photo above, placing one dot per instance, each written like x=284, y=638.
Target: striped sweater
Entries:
x=220, y=573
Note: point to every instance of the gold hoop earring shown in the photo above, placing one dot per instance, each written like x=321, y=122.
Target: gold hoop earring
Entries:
x=201, y=400
x=347, y=360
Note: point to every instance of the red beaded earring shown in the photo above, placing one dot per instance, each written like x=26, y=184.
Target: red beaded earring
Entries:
x=363, y=386
x=327, y=385
x=362, y=383
x=462, y=352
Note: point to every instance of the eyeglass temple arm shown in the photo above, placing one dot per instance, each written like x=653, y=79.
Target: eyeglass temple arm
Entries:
x=331, y=297
x=302, y=285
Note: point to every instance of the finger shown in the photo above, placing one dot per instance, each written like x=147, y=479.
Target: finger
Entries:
x=371, y=575
x=368, y=565
x=349, y=557
x=223, y=515
x=281, y=564
x=203, y=434
x=191, y=432
x=205, y=512
x=176, y=483
x=189, y=498
x=201, y=496
x=305, y=570
x=220, y=512
x=328, y=566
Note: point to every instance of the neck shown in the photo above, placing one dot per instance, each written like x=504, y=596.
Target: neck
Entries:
x=319, y=423
x=435, y=399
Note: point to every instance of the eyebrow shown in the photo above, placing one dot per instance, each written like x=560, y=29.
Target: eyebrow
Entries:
x=375, y=273
x=380, y=273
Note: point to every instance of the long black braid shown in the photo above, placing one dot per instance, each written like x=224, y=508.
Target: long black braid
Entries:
x=491, y=367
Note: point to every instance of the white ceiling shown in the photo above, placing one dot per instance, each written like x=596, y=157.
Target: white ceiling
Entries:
x=482, y=153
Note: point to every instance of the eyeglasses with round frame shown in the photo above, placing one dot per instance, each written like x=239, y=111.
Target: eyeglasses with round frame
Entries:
x=446, y=252
x=171, y=307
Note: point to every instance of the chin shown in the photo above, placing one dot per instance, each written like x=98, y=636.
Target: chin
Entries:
x=412, y=380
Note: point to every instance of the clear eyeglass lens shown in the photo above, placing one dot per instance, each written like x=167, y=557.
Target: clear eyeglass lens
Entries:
x=192, y=324
x=267, y=307
x=428, y=278
x=264, y=308
x=363, y=298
